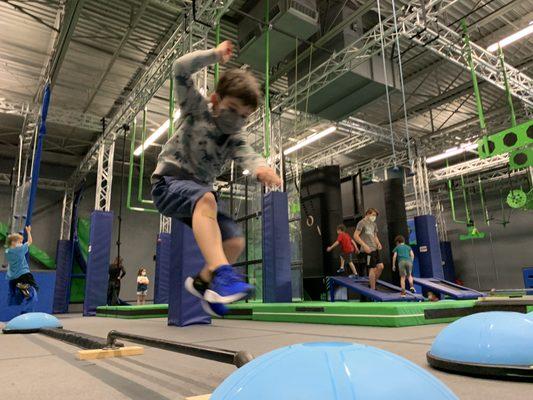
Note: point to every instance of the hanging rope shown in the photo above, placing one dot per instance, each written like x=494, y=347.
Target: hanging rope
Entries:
x=386, y=82
x=407, y=136
x=126, y=129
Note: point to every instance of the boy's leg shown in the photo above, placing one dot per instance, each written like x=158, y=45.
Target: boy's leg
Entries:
x=372, y=277
x=352, y=267
x=139, y=299
x=207, y=234
x=402, y=283
x=410, y=277
x=341, y=266
x=233, y=248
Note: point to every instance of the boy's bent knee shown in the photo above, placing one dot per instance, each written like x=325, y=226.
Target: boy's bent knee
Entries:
x=207, y=206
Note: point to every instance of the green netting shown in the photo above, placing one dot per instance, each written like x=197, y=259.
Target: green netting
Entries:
x=77, y=285
x=391, y=314
x=36, y=253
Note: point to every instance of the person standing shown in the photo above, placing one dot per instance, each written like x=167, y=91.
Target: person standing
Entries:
x=142, y=286
x=116, y=273
x=366, y=234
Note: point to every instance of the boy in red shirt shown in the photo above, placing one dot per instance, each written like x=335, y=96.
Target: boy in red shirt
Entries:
x=348, y=247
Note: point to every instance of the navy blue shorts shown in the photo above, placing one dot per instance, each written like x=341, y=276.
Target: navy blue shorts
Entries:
x=177, y=198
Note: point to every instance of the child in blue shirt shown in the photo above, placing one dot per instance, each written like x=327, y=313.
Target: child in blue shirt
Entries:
x=208, y=135
x=405, y=257
x=18, y=272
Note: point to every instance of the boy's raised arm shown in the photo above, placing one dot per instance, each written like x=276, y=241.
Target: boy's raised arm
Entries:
x=188, y=97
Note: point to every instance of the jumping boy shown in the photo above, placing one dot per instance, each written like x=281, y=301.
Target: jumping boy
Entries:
x=348, y=247
x=405, y=256
x=18, y=272
x=208, y=134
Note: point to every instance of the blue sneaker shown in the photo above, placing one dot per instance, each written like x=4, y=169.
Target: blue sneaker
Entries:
x=215, y=309
x=227, y=286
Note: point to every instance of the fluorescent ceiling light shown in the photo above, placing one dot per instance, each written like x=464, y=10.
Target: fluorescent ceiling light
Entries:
x=528, y=30
x=310, y=139
x=156, y=135
x=452, y=152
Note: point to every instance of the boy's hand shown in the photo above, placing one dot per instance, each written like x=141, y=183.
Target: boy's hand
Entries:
x=328, y=249
x=268, y=177
x=366, y=249
x=224, y=51
x=28, y=229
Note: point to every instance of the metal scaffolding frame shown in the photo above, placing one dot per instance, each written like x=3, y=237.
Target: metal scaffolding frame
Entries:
x=65, y=23
x=59, y=116
x=66, y=215
x=44, y=183
x=468, y=167
x=438, y=38
x=421, y=27
x=104, y=175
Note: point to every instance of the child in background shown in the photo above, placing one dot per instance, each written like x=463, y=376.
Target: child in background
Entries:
x=18, y=272
x=207, y=136
x=348, y=247
x=142, y=286
x=433, y=297
x=405, y=257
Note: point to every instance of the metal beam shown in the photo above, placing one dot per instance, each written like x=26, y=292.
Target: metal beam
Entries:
x=44, y=183
x=468, y=167
x=445, y=42
x=59, y=116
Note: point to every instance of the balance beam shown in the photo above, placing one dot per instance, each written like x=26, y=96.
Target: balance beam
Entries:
x=109, y=353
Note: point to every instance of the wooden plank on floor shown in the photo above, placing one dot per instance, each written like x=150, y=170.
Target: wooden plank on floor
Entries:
x=204, y=397
x=107, y=353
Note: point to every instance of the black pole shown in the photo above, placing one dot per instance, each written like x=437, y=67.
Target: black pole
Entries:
x=237, y=358
x=126, y=128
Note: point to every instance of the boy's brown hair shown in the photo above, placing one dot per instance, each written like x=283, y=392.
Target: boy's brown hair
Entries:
x=13, y=238
x=399, y=239
x=372, y=210
x=240, y=84
x=140, y=271
x=341, y=228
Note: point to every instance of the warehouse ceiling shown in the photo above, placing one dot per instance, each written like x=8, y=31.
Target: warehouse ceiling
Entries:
x=115, y=40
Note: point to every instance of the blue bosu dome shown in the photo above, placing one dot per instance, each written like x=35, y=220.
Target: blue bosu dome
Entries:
x=496, y=344
x=31, y=322
x=318, y=371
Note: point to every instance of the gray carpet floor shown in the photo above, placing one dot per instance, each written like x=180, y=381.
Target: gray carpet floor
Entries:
x=37, y=367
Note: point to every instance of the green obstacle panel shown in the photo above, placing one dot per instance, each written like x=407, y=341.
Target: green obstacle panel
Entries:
x=517, y=198
x=473, y=233
x=521, y=158
x=133, y=312
x=507, y=140
x=386, y=314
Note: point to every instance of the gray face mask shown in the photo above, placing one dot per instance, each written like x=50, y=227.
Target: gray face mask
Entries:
x=229, y=122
